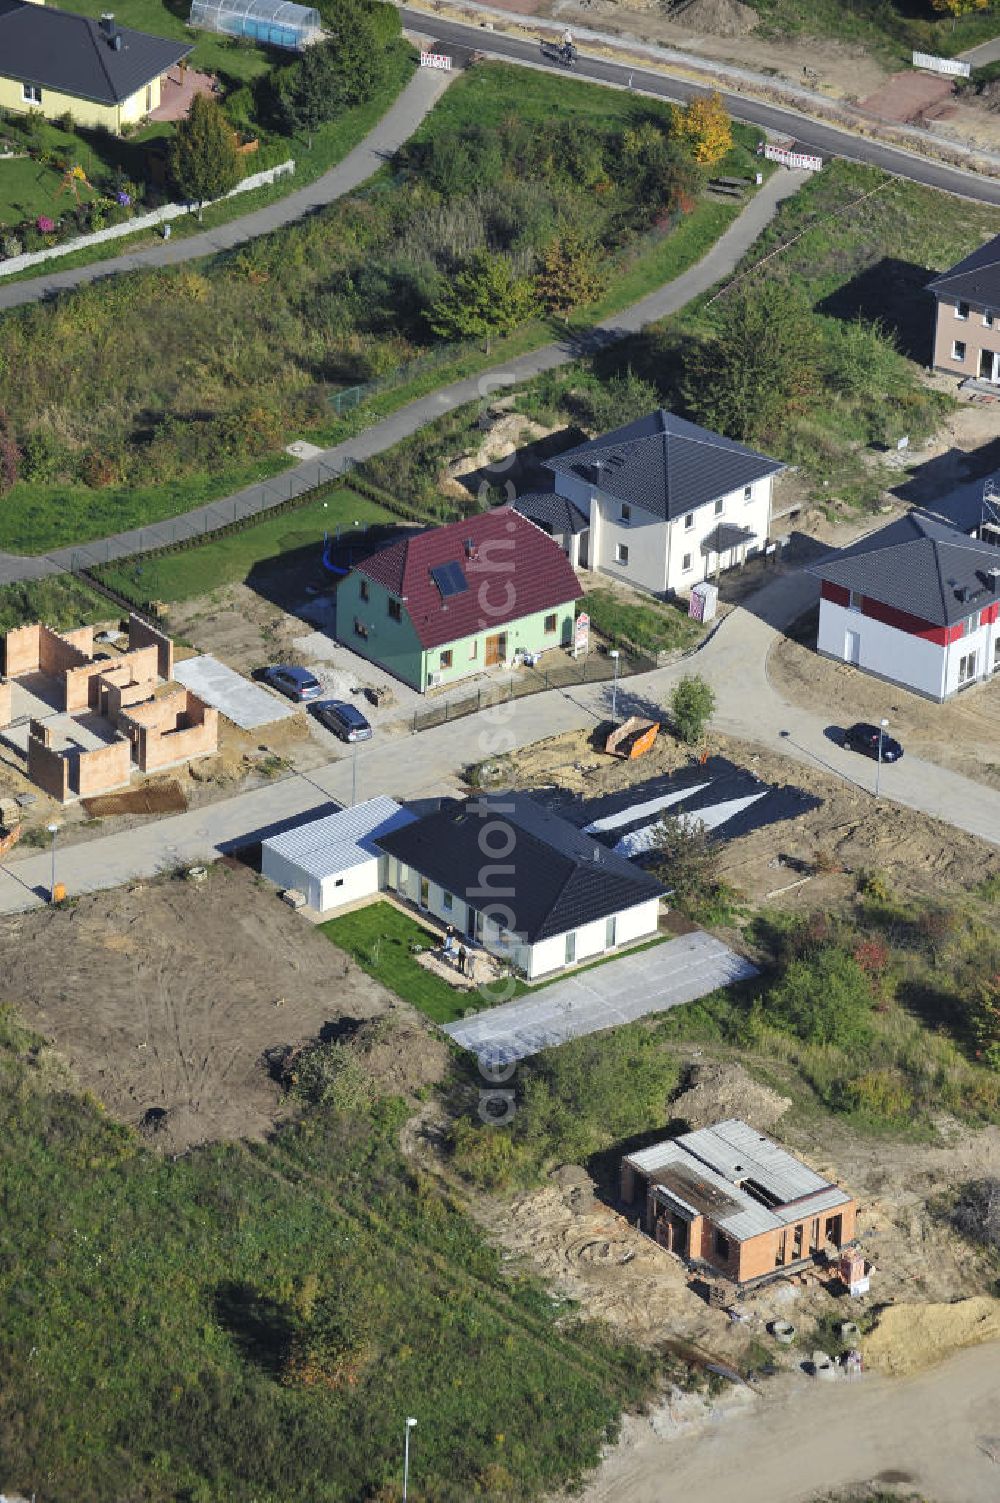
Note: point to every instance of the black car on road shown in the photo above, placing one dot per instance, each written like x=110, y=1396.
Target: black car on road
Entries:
x=864, y=738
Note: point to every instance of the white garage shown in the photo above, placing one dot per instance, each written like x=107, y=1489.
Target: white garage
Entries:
x=333, y=861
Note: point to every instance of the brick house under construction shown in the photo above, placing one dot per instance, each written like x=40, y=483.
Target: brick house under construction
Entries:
x=729, y=1197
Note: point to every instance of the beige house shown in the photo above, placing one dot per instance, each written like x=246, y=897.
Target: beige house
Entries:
x=56, y=63
x=967, y=325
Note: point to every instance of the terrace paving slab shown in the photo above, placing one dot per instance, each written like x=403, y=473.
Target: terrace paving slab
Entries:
x=620, y=991
x=229, y=693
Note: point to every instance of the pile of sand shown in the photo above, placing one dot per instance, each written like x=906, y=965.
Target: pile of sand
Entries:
x=717, y=1092
x=910, y=1337
x=720, y=18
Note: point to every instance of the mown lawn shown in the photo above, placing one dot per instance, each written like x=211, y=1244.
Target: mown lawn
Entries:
x=652, y=627
x=227, y=559
x=255, y=1322
x=383, y=940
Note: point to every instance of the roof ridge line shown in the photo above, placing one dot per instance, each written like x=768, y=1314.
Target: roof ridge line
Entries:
x=94, y=32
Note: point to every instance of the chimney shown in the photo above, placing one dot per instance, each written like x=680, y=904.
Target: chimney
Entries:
x=109, y=30
x=994, y=580
x=470, y=548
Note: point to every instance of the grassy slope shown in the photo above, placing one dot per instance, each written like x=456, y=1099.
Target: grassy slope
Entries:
x=254, y=1322
x=198, y=571
x=38, y=518
x=652, y=628
x=889, y=28
x=331, y=143
x=62, y=602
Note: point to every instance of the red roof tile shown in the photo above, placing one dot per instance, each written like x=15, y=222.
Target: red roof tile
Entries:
x=512, y=569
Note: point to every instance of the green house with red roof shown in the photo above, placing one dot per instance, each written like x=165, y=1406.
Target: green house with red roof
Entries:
x=438, y=606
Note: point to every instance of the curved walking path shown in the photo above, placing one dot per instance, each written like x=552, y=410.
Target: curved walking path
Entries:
x=716, y=264
x=382, y=141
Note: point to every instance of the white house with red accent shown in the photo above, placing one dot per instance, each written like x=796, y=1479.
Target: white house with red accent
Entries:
x=916, y=603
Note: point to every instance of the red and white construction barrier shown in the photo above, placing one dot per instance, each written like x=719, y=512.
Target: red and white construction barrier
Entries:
x=790, y=158
x=435, y=60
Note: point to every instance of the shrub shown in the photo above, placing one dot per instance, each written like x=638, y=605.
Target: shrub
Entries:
x=824, y=998
x=204, y=159
x=691, y=705
x=976, y=1213
x=880, y=1095
x=685, y=858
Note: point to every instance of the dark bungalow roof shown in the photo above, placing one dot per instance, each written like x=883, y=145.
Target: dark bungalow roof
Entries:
x=506, y=567
x=71, y=54
x=664, y=464
x=552, y=879
x=974, y=280
x=552, y=513
x=920, y=566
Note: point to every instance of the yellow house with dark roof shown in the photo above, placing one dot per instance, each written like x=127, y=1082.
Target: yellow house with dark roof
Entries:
x=102, y=74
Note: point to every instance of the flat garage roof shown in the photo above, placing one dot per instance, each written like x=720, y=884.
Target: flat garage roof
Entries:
x=338, y=841
x=604, y=996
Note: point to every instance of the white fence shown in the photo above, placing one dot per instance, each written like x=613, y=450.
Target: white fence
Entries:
x=950, y=65
x=141, y=222
x=792, y=158
x=435, y=60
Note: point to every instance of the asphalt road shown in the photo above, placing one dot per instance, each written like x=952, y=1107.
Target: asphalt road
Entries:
x=811, y=135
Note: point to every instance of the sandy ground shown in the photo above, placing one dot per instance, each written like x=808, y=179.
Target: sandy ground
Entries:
x=917, y=854
x=165, y=997
x=938, y=1432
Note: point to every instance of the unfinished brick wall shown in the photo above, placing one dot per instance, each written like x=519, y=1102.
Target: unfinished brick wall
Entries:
x=83, y=690
x=48, y=768
x=141, y=634
x=21, y=650
x=5, y=701
x=97, y=771
x=58, y=654
x=174, y=728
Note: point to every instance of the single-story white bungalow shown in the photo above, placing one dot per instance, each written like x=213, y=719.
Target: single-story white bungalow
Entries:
x=526, y=885
x=334, y=860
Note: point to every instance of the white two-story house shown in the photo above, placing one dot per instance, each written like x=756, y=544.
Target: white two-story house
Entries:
x=660, y=503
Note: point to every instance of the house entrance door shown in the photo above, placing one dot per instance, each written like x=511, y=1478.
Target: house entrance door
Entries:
x=852, y=647
x=989, y=365
x=496, y=649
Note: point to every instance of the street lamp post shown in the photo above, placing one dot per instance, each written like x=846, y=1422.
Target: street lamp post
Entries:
x=614, y=655
x=53, y=831
x=883, y=724
x=410, y=1422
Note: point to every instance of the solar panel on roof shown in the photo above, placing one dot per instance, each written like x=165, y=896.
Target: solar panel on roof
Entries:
x=450, y=579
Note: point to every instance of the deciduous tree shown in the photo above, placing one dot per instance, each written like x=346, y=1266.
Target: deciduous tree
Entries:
x=956, y=8
x=760, y=368
x=707, y=128
x=487, y=297
x=691, y=705
x=204, y=159
x=571, y=275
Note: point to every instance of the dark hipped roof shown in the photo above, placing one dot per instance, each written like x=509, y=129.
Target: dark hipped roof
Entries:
x=500, y=552
x=664, y=464
x=553, y=879
x=554, y=514
x=70, y=54
x=974, y=280
x=920, y=566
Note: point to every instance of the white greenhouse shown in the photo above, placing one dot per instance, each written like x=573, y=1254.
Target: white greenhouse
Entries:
x=272, y=23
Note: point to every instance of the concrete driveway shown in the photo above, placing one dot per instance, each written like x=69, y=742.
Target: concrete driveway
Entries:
x=619, y=991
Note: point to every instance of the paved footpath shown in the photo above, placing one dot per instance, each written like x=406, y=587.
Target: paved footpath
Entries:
x=734, y=660
x=383, y=141
x=716, y=264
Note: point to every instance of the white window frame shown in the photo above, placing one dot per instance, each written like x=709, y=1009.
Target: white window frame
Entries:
x=987, y=318
x=621, y=554
x=31, y=93
x=956, y=345
x=748, y=493
x=963, y=318
x=968, y=665
x=687, y=563
x=720, y=506
x=626, y=514
x=689, y=521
